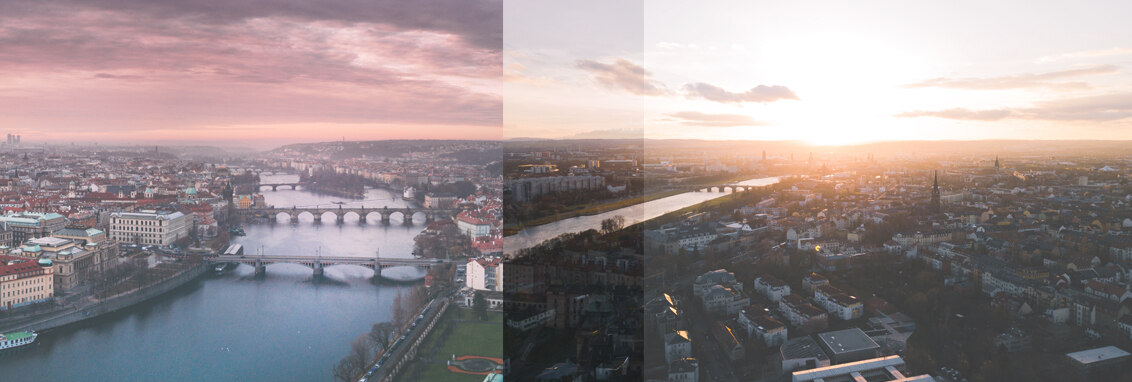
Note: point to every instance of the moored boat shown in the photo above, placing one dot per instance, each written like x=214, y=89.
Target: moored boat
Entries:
x=16, y=339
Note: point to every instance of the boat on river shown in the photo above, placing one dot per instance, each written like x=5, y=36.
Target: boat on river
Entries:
x=17, y=339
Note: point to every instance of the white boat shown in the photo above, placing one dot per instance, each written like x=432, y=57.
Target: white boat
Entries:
x=410, y=193
x=15, y=339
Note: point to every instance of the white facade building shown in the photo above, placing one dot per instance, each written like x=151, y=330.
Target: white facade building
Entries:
x=149, y=227
x=485, y=273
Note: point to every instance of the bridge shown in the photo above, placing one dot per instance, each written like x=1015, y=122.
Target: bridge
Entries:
x=275, y=186
x=718, y=188
x=319, y=263
x=340, y=212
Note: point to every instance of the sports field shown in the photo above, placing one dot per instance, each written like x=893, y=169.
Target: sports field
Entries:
x=468, y=336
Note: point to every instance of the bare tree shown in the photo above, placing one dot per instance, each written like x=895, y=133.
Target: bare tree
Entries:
x=344, y=370
x=359, y=353
x=612, y=224
x=416, y=299
x=400, y=314
x=380, y=334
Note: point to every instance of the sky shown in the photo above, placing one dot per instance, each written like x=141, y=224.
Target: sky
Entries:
x=257, y=72
x=824, y=72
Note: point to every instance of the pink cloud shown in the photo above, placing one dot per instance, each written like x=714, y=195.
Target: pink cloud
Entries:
x=153, y=71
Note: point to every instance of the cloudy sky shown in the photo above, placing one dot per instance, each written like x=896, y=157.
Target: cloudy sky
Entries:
x=827, y=72
x=260, y=72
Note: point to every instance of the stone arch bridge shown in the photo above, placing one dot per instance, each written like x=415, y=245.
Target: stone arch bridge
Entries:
x=720, y=188
x=408, y=215
x=319, y=263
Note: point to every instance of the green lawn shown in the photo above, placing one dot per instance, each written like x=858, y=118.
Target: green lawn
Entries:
x=483, y=338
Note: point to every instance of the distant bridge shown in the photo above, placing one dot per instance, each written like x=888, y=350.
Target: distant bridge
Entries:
x=275, y=186
x=340, y=212
x=318, y=263
x=719, y=188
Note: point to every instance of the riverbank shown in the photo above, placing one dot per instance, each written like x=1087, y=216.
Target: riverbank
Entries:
x=92, y=307
x=531, y=236
x=590, y=210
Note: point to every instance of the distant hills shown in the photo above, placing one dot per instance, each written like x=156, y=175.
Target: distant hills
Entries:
x=801, y=149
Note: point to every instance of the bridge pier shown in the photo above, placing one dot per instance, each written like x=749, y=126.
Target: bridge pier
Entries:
x=318, y=268
x=362, y=217
x=385, y=218
x=260, y=267
x=274, y=188
x=318, y=218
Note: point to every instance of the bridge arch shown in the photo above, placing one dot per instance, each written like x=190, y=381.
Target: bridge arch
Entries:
x=398, y=216
x=301, y=216
x=326, y=215
x=374, y=216
x=420, y=217
x=350, y=216
x=287, y=217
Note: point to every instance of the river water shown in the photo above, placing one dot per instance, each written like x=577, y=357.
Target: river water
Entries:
x=532, y=236
x=285, y=326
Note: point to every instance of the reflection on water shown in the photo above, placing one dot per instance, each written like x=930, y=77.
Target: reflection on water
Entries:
x=532, y=236
x=285, y=326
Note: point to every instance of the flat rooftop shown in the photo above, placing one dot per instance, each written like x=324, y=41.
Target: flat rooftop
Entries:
x=801, y=348
x=847, y=341
x=1106, y=353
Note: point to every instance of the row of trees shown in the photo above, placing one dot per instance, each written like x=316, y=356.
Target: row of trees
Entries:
x=365, y=347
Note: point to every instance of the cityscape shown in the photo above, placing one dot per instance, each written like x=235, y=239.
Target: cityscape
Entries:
x=580, y=191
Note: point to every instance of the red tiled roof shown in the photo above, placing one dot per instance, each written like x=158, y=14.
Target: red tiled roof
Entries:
x=23, y=265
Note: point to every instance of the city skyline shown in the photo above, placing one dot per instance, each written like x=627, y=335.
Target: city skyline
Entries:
x=271, y=72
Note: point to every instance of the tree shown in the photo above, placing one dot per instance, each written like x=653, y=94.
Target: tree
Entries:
x=612, y=224
x=380, y=333
x=400, y=314
x=359, y=353
x=479, y=304
x=415, y=299
x=343, y=371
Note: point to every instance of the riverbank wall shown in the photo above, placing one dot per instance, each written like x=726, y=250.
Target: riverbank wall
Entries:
x=111, y=304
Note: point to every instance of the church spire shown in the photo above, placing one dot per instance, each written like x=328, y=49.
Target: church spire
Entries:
x=935, y=192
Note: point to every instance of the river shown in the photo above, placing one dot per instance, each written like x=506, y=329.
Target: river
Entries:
x=236, y=327
x=531, y=236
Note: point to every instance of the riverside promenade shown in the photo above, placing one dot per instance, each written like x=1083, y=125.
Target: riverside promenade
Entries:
x=74, y=310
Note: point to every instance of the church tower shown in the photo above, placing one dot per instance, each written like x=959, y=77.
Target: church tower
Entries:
x=996, y=164
x=935, y=193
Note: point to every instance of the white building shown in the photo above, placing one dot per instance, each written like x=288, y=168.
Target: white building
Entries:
x=677, y=345
x=724, y=301
x=149, y=227
x=771, y=287
x=838, y=303
x=876, y=369
x=717, y=277
x=766, y=328
x=485, y=273
x=473, y=224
